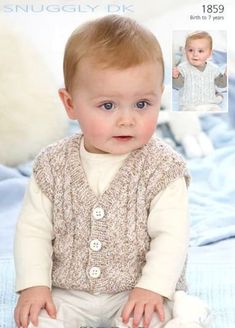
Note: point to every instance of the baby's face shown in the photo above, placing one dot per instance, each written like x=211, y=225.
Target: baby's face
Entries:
x=117, y=109
x=198, y=51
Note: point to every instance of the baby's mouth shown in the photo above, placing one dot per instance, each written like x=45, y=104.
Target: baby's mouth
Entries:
x=123, y=138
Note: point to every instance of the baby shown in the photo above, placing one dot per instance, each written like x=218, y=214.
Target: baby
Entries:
x=197, y=78
x=102, y=237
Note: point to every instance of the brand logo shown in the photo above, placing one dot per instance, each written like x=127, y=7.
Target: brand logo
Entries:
x=66, y=8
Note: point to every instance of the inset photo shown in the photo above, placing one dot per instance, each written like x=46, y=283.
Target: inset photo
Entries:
x=199, y=71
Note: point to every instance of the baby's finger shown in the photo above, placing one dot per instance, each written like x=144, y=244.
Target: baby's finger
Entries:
x=51, y=309
x=126, y=312
x=17, y=316
x=160, y=311
x=138, y=314
x=34, y=312
x=148, y=313
x=24, y=315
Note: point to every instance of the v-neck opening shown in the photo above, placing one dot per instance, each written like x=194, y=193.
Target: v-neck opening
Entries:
x=199, y=70
x=79, y=175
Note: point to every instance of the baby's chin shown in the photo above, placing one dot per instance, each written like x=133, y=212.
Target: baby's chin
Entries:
x=197, y=64
x=118, y=146
x=120, y=151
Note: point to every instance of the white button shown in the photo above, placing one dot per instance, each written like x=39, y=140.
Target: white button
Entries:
x=95, y=272
x=98, y=213
x=95, y=245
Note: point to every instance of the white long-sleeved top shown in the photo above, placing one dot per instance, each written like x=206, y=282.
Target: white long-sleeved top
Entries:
x=167, y=226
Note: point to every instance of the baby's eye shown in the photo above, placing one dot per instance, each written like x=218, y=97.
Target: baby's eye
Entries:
x=201, y=51
x=142, y=104
x=107, y=106
x=190, y=50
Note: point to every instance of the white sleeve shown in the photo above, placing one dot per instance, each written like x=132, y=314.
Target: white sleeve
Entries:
x=33, y=240
x=182, y=70
x=168, y=227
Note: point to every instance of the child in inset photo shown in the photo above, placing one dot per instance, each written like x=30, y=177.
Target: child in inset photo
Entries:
x=102, y=238
x=198, y=78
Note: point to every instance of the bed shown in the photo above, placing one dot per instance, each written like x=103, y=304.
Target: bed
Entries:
x=211, y=267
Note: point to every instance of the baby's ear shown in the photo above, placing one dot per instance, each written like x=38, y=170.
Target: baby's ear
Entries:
x=67, y=102
x=211, y=54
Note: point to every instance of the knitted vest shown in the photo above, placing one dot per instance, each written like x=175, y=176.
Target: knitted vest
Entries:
x=100, y=242
x=199, y=86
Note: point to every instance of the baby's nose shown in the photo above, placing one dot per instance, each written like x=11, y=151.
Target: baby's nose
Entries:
x=126, y=117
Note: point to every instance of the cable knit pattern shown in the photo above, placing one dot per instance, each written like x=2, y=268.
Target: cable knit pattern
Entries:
x=199, y=86
x=123, y=229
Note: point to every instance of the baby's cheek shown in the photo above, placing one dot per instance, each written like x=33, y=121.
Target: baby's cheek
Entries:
x=95, y=128
x=149, y=129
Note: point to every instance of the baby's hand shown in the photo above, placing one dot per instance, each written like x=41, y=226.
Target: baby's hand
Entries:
x=175, y=73
x=30, y=302
x=143, y=303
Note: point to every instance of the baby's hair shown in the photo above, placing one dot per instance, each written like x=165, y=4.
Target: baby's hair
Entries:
x=111, y=42
x=199, y=35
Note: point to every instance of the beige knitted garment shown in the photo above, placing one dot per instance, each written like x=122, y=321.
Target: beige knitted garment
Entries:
x=115, y=263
